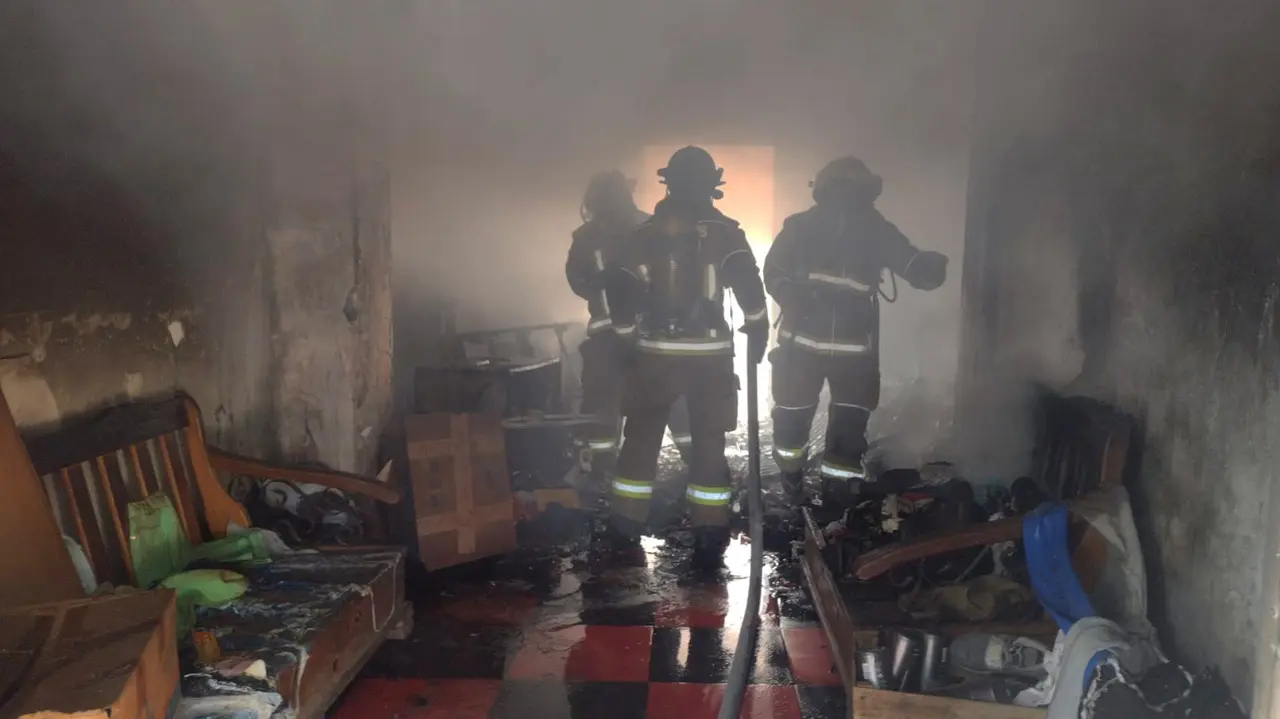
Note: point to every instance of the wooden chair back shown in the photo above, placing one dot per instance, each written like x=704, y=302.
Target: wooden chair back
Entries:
x=92, y=470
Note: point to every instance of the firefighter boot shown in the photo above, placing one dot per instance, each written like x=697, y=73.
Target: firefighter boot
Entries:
x=709, y=544
x=840, y=493
x=793, y=488
x=622, y=534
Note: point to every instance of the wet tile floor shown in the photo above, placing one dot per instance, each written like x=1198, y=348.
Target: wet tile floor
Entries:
x=557, y=635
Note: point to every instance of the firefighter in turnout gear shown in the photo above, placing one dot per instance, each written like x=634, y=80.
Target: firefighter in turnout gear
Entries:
x=824, y=270
x=609, y=217
x=667, y=295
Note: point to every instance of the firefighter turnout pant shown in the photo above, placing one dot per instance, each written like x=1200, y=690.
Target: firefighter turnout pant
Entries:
x=678, y=427
x=604, y=378
x=854, y=383
x=656, y=382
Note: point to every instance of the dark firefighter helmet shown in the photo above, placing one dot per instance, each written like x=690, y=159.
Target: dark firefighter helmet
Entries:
x=845, y=175
x=692, y=170
x=608, y=191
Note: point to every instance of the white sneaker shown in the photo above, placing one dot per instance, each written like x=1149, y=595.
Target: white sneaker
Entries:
x=998, y=654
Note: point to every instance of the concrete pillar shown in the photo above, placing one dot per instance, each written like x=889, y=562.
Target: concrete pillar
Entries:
x=329, y=247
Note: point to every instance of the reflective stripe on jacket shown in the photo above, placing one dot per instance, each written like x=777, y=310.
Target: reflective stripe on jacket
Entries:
x=824, y=271
x=594, y=247
x=671, y=276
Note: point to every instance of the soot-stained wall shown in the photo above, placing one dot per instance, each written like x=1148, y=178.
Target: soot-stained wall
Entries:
x=283, y=334
x=183, y=207
x=97, y=308
x=1121, y=245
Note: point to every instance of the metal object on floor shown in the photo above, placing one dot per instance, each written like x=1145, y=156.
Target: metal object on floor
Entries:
x=744, y=656
x=933, y=662
x=872, y=664
x=904, y=667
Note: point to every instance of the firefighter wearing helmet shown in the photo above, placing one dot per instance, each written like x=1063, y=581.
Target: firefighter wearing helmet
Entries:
x=667, y=299
x=824, y=270
x=609, y=216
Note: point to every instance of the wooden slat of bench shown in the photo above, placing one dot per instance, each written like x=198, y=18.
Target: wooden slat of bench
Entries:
x=181, y=493
x=112, y=430
x=102, y=473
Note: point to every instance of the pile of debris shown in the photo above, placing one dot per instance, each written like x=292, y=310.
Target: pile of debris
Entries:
x=1028, y=593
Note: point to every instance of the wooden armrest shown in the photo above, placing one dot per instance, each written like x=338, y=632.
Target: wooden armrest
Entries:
x=878, y=561
x=345, y=481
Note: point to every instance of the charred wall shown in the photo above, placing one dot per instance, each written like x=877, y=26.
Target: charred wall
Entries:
x=1121, y=244
x=182, y=207
x=97, y=308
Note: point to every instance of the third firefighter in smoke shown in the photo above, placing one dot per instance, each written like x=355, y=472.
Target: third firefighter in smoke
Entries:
x=610, y=217
x=824, y=271
x=667, y=300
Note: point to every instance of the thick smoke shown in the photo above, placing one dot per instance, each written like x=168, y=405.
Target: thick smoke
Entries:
x=493, y=113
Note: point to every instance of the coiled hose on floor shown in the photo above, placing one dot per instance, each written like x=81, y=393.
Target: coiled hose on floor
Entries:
x=744, y=653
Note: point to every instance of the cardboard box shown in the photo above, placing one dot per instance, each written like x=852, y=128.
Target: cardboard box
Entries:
x=462, y=499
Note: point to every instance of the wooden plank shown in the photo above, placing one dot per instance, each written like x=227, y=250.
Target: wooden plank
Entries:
x=186, y=512
x=871, y=703
x=113, y=429
x=878, y=561
x=34, y=566
x=113, y=656
x=113, y=510
x=186, y=494
x=832, y=612
x=105, y=564
x=220, y=510
x=73, y=508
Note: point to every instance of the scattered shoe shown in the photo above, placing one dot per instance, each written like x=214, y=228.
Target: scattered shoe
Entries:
x=999, y=654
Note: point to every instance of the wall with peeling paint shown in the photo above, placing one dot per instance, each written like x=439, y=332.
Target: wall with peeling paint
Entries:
x=1121, y=245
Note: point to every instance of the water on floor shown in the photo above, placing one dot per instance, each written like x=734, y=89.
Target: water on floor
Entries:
x=558, y=632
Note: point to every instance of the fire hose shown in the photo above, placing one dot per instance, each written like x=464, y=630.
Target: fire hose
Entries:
x=744, y=653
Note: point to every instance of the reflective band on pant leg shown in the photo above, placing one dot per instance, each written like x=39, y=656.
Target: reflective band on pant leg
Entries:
x=709, y=496
x=836, y=471
x=682, y=440
x=602, y=445
x=790, y=459
x=632, y=489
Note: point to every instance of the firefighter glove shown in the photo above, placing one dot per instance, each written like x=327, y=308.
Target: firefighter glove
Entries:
x=927, y=271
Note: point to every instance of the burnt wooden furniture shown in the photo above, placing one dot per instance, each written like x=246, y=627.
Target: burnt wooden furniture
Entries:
x=1083, y=449
x=1106, y=471
x=108, y=657
x=43, y=565
x=463, y=506
x=340, y=603
x=846, y=634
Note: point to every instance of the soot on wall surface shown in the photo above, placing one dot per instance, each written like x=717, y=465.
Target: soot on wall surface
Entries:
x=1123, y=248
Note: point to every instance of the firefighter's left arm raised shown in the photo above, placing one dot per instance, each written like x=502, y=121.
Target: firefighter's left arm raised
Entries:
x=922, y=269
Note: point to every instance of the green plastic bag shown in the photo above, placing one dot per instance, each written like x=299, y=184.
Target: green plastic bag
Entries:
x=246, y=549
x=203, y=588
x=157, y=544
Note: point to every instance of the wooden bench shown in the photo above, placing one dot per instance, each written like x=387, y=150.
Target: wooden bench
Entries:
x=313, y=618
